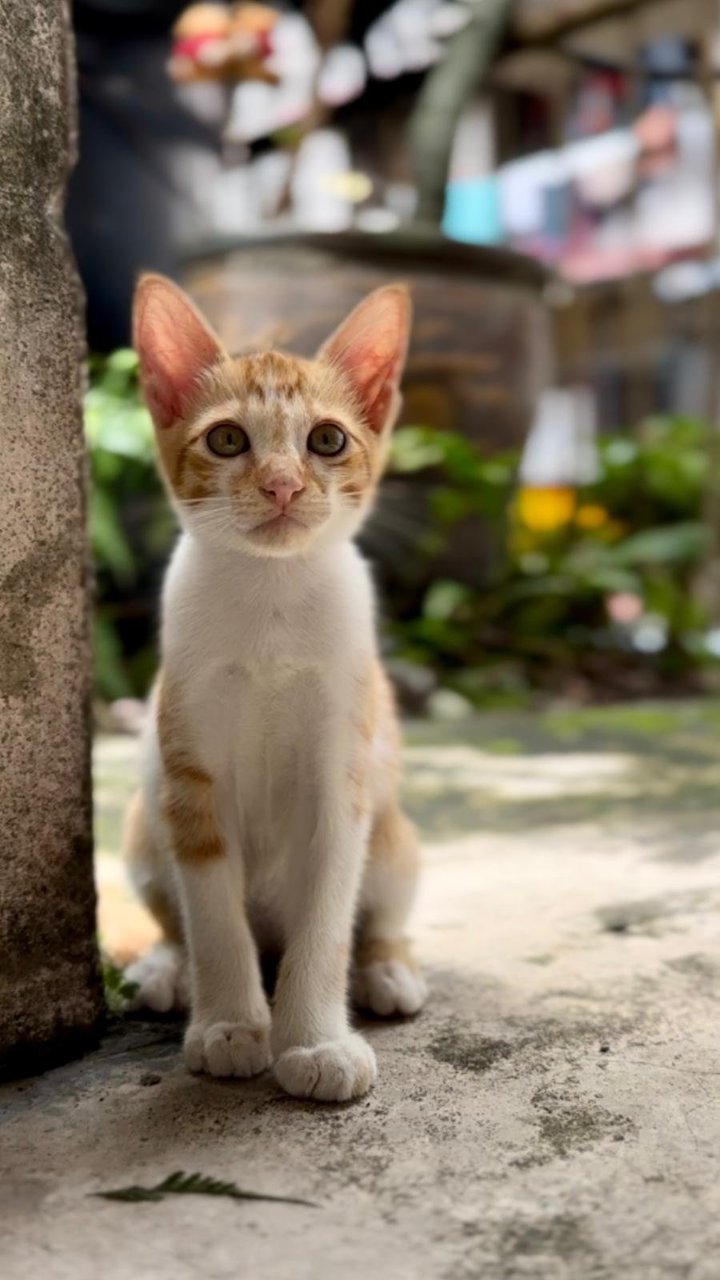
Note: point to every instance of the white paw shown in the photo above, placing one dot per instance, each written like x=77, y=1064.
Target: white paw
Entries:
x=389, y=988
x=227, y=1048
x=160, y=979
x=332, y=1072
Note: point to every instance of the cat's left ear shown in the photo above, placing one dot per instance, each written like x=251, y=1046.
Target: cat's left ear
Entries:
x=370, y=348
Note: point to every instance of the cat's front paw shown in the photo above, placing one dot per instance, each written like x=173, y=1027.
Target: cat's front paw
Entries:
x=390, y=988
x=335, y=1071
x=227, y=1048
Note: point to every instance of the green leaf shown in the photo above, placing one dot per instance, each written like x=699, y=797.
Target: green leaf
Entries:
x=193, y=1184
x=669, y=545
x=114, y=980
x=117, y=989
x=124, y=358
x=450, y=505
x=118, y=424
x=415, y=449
x=132, y=1195
x=109, y=544
x=110, y=672
x=443, y=598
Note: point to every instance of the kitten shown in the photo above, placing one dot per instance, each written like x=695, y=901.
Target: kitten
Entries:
x=269, y=814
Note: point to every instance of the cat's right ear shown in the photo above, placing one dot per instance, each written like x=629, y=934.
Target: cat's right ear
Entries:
x=174, y=345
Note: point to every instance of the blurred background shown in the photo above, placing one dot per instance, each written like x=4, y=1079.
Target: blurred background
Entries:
x=544, y=175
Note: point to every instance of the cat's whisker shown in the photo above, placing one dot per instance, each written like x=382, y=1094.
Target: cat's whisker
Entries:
x=214, y=522
x=209, y=500
x=211, y=513
x=383, y=514
x=395, y=526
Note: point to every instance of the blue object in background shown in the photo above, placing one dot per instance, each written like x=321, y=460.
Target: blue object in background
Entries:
x=472, y=211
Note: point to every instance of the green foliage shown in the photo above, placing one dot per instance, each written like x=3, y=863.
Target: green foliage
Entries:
x=560, y=567
x=117, y=989
x=131, y=528
x=193, y=1184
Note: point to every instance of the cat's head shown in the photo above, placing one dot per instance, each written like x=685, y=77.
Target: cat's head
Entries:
x=269, y=453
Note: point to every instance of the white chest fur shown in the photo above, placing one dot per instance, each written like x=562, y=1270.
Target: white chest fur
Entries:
x=268, y=619
x=266, y=657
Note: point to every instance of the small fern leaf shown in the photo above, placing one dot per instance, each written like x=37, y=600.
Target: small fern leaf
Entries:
x=177, y=1182
x=199, y=1184
x=195, y=1184
x=131, y=1195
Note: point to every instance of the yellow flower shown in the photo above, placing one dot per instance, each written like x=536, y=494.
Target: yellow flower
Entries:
x=591, y=516
x=546, y=509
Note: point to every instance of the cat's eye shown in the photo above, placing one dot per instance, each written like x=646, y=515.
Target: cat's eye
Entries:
x=327, y=439
x=227, y=440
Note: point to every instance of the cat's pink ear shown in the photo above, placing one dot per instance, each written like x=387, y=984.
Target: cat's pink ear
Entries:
x=370, y=347
x=174, y=344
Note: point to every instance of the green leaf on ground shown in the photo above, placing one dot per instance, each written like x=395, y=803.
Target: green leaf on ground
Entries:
x=194, y=1184
x=117, y=989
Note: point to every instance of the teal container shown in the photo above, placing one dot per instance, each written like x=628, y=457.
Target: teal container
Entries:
x=472, y=211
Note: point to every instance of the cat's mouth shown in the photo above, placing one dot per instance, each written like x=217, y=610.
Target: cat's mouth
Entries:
x=279, y=524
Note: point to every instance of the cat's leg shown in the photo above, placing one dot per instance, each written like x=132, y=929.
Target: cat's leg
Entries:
x=386, y=977
x=159, y=977
x=317, y=1055
x=229, y=1029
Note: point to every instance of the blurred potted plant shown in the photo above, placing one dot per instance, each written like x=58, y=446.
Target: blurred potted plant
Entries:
x=593, y=598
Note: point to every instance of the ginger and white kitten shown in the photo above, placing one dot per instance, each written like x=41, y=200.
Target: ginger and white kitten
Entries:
x=269, y=814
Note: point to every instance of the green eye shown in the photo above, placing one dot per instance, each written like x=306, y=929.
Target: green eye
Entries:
x=326, y=439
x=227, y=440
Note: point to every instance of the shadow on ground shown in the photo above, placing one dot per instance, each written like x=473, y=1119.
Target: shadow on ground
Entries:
x=610, y=767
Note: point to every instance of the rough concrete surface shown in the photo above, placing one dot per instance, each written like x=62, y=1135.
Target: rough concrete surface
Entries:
x=49, y=991
x=555, y=1112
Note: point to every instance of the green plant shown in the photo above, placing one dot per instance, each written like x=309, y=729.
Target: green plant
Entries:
x=597, y=584
x=131, y=528
x=117, y=989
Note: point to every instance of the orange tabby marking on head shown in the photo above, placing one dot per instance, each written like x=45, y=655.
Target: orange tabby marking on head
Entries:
x=193, y=473
x=271, y=391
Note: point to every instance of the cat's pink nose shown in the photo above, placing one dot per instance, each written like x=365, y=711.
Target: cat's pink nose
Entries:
x=282, y=491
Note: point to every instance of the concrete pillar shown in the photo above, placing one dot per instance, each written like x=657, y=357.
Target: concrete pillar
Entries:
x=50, y=996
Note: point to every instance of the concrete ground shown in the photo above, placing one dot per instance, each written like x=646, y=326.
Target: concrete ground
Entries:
x=555, y=1112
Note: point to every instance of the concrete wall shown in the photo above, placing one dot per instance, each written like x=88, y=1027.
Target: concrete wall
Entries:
x=50, y=999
